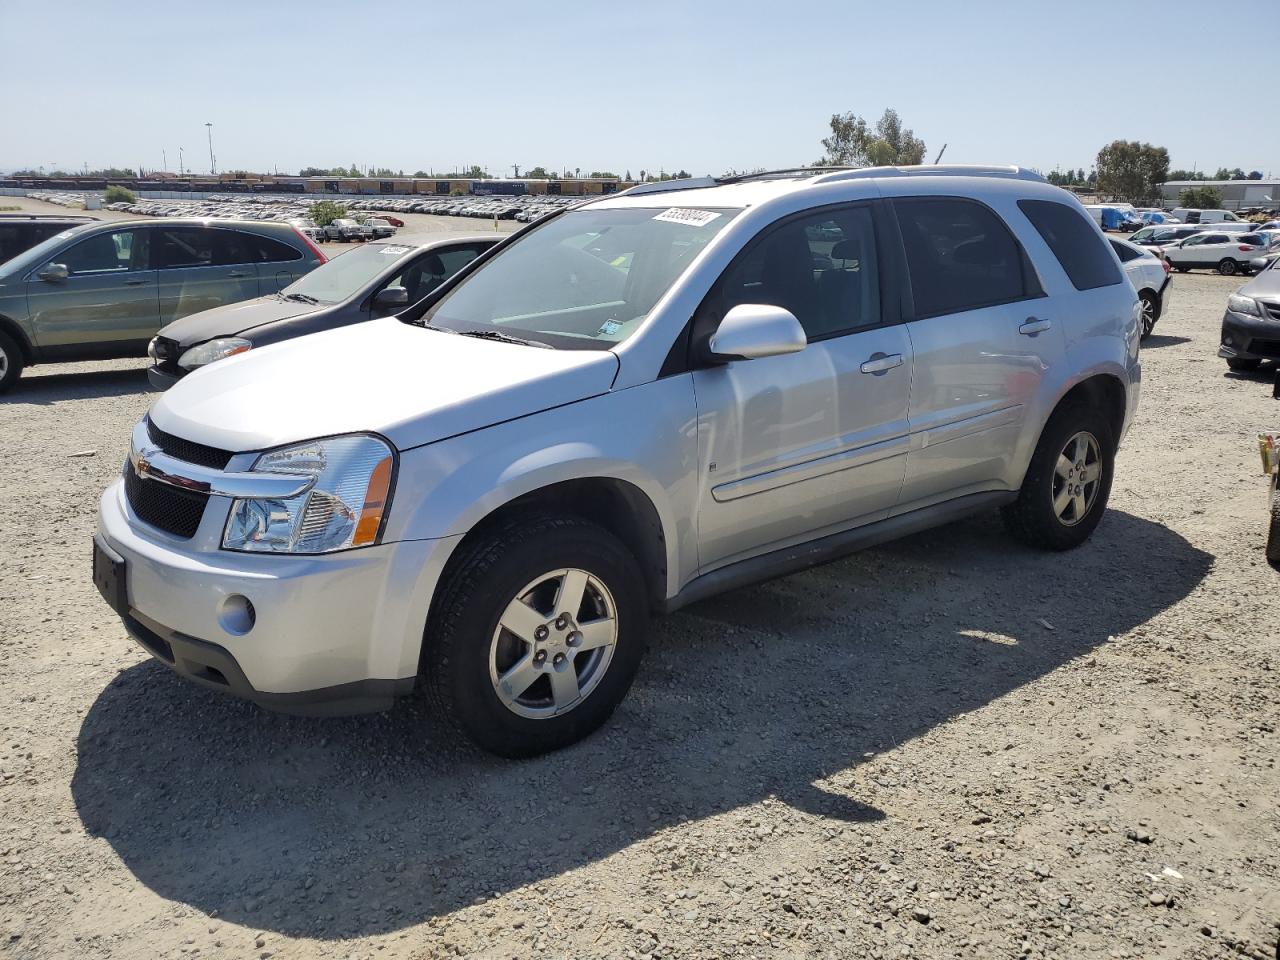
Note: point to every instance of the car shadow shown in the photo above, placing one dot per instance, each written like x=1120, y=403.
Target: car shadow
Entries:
x=339, y=828
x=1266, y=373
x=1156, y=340
x=49, y=388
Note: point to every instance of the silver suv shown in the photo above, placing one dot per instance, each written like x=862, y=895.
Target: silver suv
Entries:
x=625, y=408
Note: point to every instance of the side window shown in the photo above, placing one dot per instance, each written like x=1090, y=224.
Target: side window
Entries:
x=823, y=268
x=185, y=247
x=1193, y=216
x=273, y=251
x=427, y=272
x=116, y=252
x=1124, y=253
x=232, y=247
x=1074, y=241
x=960, y=255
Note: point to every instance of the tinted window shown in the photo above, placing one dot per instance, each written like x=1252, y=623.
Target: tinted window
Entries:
x=1125, y=253
x=960, y=256
x=14, y=238
x=1251, y=238
x=273, y=251
x=114, y=252
x=184, y=247
x=823, y=268
x=1075, y=243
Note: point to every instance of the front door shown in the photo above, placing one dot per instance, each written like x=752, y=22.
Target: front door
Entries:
x=792, y=447
x=202, y=268
x=106, y=306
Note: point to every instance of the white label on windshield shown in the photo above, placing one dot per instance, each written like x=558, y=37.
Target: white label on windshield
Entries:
x=395, y=251
x=693, y=218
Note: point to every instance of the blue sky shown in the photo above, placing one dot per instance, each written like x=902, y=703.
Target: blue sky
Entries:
x=651, y=85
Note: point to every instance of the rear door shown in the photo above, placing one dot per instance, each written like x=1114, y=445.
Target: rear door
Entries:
x=794, y=446
x=982, y=339
x=108, y=302
x=201, y=268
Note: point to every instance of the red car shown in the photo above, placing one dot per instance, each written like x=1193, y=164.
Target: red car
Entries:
x=394, y=221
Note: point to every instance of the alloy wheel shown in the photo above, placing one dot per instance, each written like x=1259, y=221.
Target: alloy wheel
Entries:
x=1148, y=316
x=553, y=643
x=1075, y=478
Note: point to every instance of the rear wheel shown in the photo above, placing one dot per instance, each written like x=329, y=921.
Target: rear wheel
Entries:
x=1068, y=482
x=1150, y=312
x=1243, y=363
x=1181, y=269
x=10, y=362
x=1228, y=267
x=537, y=635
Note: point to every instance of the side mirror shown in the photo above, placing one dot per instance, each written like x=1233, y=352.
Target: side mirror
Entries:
x=391, y=298
x=54, y=273
x=750, y=331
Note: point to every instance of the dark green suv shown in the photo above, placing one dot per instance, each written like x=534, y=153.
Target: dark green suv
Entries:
x=101, y=290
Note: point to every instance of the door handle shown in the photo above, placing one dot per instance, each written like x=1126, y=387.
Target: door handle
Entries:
x=137, y=282
x=880, y=363
x=1034, y=326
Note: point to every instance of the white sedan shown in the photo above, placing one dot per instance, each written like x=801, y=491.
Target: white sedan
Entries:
x=1150, y=277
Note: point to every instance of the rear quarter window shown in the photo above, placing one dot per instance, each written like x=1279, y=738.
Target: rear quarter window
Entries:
x=1082, y=254
x=273, y=251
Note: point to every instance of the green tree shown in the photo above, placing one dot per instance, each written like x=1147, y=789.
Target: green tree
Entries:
x=854, y=143
x=1175, y=175
x=475, y=173
x=1200, y=198
x=1129, y=170
x=325, y=212
x=602, y=175
x=538, y=173
x=117, y=194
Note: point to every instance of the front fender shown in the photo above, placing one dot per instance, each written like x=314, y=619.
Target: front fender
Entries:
x=645, y=436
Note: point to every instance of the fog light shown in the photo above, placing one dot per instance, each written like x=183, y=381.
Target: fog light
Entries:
x=236, y=615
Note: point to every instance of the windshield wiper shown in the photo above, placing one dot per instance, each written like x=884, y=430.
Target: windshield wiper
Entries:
x=505, y=338
x=427, y=325
x=300, y=297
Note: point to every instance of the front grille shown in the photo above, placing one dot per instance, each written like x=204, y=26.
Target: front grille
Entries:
x=1266, y=348
x=187, y=450
x=1273, y=309
x=175, y=511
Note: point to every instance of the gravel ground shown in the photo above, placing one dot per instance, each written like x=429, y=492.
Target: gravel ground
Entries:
x=946, y=747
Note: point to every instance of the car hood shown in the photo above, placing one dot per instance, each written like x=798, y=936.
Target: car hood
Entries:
x=411, y=385
x=1265, y=285
x=236, y=318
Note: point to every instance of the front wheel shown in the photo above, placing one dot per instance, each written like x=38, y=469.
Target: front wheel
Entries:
x=1228, y=267
x=537, y=635
x=1068, y=482
x=1243, y=364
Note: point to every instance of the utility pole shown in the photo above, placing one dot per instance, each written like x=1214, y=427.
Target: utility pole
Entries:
x=165, y=158
x=213, y=167
x=180, y=170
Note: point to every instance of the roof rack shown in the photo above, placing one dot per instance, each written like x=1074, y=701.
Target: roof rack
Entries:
x=664, y=186
x=933, y=170
x=783, y=172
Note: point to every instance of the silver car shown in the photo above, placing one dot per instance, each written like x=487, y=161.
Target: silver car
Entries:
x=640, y=402
x=102, y=290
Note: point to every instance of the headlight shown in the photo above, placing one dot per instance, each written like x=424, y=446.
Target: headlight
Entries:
x=213, y=350
x=151, y=349
x=1239, y=304
x=343, y=509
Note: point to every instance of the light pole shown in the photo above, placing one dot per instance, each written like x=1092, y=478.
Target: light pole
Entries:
x=213, y=167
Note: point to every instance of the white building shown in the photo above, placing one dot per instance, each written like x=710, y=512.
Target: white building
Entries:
x=1236, y=194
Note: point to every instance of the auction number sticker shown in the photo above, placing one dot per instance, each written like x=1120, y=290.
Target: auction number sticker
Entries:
x=692, y=218
x=394, y=251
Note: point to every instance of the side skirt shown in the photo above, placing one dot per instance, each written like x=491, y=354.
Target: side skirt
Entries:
x=788, y=560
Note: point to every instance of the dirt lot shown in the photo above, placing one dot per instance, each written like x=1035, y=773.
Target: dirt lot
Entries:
x=946, y=747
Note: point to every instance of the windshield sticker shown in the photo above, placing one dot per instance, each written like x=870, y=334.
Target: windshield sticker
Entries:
x=609, y=328
x=395, y=251
x=692, y=218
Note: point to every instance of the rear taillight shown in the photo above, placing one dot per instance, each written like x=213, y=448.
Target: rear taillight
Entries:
x=319, y=254
x=1168, y=268
x=1243, y=248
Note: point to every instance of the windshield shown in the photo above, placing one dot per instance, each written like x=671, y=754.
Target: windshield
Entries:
x=41, y=253
x=348, y=274
x=584, y=280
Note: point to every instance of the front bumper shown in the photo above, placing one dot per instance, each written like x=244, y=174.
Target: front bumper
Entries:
x=164, y=376
x=1249, y=338
x=336, y=633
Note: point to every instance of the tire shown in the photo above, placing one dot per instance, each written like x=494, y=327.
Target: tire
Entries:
x=1228, y=267
x=468, y=646
x=11, y=362
x=1181, y=269
x=1150, y=312
x=1242, y=364
x=1273, y=531
x=1043, y=516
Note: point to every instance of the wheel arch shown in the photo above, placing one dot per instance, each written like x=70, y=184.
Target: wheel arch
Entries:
x=1101, y=389
x=19, y=336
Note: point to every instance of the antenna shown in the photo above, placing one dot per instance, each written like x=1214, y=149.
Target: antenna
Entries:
x=939, y=156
